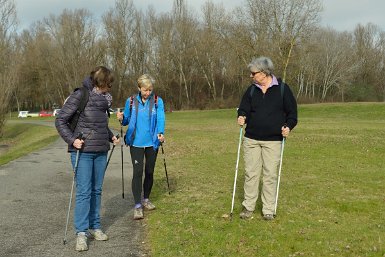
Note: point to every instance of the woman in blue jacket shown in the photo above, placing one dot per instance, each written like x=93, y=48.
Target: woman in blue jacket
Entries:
x=144, y=115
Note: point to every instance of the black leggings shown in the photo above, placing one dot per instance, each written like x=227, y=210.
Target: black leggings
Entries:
x=137, y=157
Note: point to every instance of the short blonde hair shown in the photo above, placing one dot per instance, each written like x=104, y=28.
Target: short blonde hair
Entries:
x=145, y=81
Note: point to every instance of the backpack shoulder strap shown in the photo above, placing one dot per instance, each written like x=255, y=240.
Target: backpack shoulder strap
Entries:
x=252, y=90
x=282, y=85
x=134, y=101
x=153, y=102
x=82, y=105
x=156, y=101
x=131, y=101
x=83, y=100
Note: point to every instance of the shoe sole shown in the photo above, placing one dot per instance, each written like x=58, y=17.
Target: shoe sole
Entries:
x=81, y=249
x=99, y=239
x=247, y=218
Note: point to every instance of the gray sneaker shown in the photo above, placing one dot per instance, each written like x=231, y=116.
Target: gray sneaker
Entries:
x=147, y=205
x=138, y=213
x=81, y=242
x=268, y=216
x=245, y=214
x=98, y=234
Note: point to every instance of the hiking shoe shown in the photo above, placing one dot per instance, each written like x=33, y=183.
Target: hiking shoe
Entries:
x=81, y=242
x=138, y=213
x=268, y=216
x=245, y=214
x=98, y=234
x=147, y=205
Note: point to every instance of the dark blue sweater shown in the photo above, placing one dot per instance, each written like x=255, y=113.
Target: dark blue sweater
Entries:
x=267, y=112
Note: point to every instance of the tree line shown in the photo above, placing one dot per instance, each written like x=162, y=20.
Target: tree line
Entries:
x=198, y=58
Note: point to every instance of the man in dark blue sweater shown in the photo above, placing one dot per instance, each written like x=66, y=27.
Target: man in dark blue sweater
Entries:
x=269, y=110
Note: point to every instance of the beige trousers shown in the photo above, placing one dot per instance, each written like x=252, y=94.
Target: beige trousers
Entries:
x=261, y=158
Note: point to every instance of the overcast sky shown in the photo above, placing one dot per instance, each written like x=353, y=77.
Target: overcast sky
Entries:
x=338, y=14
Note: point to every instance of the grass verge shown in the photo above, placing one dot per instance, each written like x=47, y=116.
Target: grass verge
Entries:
x=20, y=139
x=331, y=194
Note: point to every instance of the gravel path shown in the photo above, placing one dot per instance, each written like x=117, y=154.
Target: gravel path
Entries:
x=34, y=196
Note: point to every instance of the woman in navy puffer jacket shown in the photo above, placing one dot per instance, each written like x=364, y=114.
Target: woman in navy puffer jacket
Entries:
x=93, y=148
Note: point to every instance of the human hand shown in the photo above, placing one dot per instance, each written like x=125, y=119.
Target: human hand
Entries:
x=161, y=138
x=285, y=131
x=115, y=140
x=119, y=116
x=78, y=143
x=241, y=120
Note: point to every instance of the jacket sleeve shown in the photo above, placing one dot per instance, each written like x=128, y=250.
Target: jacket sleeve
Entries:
x=245, y=105
x=127, y=113
x=67, y=111
x=160, y=117
x=110, y=135
x=290, y=108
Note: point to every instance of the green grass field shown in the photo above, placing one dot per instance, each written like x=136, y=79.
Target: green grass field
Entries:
x=331, y=203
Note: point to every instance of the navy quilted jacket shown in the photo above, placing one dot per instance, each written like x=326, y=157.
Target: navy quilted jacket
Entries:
x=93, y=121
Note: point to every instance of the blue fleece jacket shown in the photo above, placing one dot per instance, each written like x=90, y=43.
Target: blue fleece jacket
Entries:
x=143, y=129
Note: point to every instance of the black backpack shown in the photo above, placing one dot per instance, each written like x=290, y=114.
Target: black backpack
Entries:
x=83, y=102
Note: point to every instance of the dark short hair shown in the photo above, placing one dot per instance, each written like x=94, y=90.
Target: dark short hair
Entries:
x=101, y=77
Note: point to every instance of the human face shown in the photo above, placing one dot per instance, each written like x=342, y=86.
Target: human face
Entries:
x=253, y=73
x=256, y=76
x=145, y=92
x=104, y=90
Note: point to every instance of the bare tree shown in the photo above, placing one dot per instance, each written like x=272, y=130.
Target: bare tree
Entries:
x=8, y=71
x=285, y=23
x=183, y=34
x=121, y=25
x=209, y=58
x=380, y=68
x=369, y=53
x=326, y=65
x=74, y=47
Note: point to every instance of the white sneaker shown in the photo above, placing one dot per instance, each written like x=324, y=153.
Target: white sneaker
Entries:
x=98, y=234
x=81, y=242
x=138, y=213
x=147, y=205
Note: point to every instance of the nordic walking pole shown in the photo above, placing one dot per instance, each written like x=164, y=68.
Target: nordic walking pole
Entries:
x=121, y=153
x=165, y=169
x=236, y=171
x=279, y=177
x=80, y=136
x=112, y=150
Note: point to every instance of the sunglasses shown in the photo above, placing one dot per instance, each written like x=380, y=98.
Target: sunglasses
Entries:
x=255, y=72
